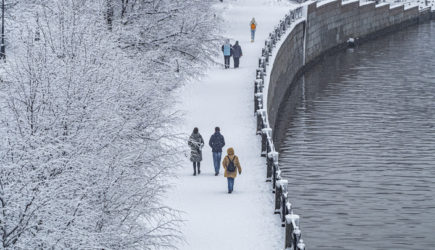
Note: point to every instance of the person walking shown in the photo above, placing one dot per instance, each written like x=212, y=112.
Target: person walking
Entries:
x=231, y=165
x=253, y=25
x=227, y=50
x=196, y=143
x=237, y=53
x=217, y=142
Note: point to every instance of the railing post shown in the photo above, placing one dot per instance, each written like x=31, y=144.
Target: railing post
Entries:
x=296, y=237
x=274, y=179
x=269, y=166
x=284, y=197
x=258, y=101
x=272, y=157
x=301, y=245
x=278, y=193
x=260, y=124
x=291, y=226
x=264, y=141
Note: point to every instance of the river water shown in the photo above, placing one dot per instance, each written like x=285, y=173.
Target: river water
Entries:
x=358, y=147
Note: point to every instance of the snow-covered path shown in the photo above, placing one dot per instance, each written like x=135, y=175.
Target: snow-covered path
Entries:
x=224, y=98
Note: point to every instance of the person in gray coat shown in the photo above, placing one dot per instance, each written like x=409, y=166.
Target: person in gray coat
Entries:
x=196, y=143
x=237, y=53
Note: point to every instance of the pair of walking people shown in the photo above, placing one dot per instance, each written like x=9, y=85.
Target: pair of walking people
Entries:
x=231, y=162
x=229, y=51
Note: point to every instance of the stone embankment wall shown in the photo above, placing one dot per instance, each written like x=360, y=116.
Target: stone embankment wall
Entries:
x=327, y=29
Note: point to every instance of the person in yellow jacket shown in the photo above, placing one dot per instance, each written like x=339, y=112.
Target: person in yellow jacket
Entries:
x=231, y=165
x=253, y=25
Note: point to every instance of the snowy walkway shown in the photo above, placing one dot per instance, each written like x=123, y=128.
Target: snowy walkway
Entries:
x=224, y=98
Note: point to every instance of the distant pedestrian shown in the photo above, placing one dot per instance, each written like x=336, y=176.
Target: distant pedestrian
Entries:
x=196, y=143
x=217, y=142
x=227, y=50
x=237, y=53
x=253, y=25
x=232, y=165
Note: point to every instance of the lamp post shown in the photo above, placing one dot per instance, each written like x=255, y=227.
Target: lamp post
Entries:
x=2, y=45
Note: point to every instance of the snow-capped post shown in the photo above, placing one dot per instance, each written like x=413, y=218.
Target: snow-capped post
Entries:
x=284, y=212
x=274, y=177
x=258, y=101
x=283, y=25
x=277, y=34
x=301, y=245
x=258, y=86
x=270, y=44
x=292, y=230
x=288, y=20
x=264, y=141
x=278, y=193
x=259, y=73
x=265, y=52
x=269, y=145
x=269, y=167
x=296, y=237
x=260, y=120
x=263, y=64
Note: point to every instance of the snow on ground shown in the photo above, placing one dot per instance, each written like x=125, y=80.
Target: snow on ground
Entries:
x=213, y=218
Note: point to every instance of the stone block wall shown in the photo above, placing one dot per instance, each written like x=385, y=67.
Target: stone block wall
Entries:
x=332, y=24
x=288, y=61
x=327, y=28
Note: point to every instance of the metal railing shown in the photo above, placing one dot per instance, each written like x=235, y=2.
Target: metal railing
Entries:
x=283, y=207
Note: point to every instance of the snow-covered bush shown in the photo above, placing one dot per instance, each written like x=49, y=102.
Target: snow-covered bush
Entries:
x=86, y=121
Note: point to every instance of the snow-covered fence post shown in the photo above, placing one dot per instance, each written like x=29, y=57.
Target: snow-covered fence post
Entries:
x=271, y=159
x=282, y=25
x=259, y=73
x=258, y=101
x=260, y=122
x=278, y=193
x=265, y=53
x=296, y=237
x=284, y=201
x=291, y=230
x=264, y=140
x=263, y=64
x=301, y=245
x=274, y=176
x=270, y=165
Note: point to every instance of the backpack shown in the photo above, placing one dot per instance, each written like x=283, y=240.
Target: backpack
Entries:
x=253, y=26
x=231, y=167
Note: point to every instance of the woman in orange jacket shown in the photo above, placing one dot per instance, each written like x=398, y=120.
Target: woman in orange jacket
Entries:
x=231, y=165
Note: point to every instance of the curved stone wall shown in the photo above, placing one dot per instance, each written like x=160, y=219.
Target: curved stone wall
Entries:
x=327, y=29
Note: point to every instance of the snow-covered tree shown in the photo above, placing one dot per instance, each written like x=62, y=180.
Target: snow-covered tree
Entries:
x=86, y=135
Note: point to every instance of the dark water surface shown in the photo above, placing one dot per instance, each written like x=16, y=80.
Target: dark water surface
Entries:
x=359, y=146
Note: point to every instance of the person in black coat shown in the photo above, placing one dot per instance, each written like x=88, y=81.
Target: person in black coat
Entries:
x=217, y=142
x=237, y=53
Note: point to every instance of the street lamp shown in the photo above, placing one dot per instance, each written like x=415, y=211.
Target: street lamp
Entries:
x=2, y=45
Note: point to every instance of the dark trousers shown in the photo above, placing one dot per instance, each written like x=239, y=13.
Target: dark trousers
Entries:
x=227, y=61
x=196, y=164
x=236, y=62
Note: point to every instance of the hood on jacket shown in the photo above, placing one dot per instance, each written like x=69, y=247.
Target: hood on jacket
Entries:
x=230, y=151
